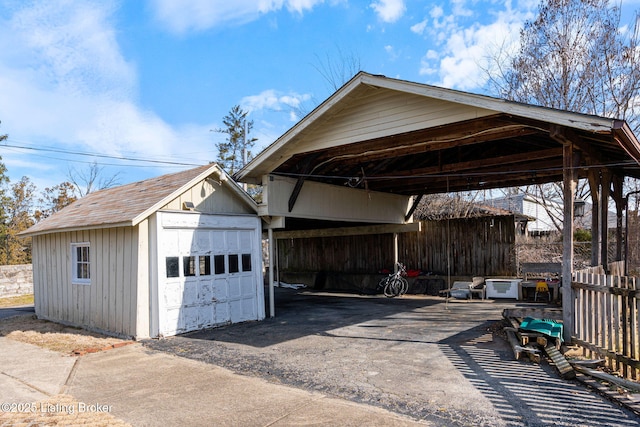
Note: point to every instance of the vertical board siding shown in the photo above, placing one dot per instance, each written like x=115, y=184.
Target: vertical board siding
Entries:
x=107, y=304
x=606, y=319
x=463, y=247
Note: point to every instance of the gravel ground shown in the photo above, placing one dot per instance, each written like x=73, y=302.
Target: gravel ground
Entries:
x=417, y=356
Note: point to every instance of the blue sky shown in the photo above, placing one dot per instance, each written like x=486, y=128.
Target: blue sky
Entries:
x=148, y=80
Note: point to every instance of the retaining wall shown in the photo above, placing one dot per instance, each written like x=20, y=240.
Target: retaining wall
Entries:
x=16, y=280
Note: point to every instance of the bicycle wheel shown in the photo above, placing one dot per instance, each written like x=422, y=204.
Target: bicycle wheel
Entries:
x=382, y=285
x=404, y=286
x=390, y=290
x=393, y=288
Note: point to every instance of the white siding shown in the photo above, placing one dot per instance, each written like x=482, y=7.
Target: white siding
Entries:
x=109, y=302
x=211, y=197
x=331, y=202
x=382, y=113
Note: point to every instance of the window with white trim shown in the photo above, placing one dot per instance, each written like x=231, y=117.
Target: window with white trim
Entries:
x=80, y=265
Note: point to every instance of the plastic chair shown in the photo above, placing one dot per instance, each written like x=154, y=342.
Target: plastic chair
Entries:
x=541, y=288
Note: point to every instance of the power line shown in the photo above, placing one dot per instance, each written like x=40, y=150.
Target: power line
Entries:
x=104, y=156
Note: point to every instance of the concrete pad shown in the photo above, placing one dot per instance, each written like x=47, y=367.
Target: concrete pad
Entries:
x=145, y=387
x=29, y=373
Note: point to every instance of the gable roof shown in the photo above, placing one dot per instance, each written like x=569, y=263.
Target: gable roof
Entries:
x=412, y=138
x=130, y=204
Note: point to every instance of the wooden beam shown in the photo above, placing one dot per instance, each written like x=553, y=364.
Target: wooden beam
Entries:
x=416, y=202
x=618, y=198
x=570, y=183
x=604, y=218
x=593, y=177
x=500, y=161
x=428, y=140
x=350, y=231
x=295, y=193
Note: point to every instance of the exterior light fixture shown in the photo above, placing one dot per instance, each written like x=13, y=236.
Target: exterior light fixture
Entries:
x=578, y=208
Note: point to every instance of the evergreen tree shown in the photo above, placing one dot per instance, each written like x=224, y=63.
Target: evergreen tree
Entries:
x=237, y=145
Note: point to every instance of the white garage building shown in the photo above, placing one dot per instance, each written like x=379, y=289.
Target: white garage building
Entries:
x=154, y=258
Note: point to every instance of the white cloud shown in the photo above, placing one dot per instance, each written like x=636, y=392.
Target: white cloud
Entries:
x=65, y=83
x=197, y=15
x=419, y=27
x=274, y=101
x=389, y=10
x=463, y=52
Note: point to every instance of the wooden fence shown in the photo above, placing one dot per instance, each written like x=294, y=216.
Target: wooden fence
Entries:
x=461, y=247
x=607, y=310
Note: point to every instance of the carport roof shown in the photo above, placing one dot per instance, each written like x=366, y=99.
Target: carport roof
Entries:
x=407, y=138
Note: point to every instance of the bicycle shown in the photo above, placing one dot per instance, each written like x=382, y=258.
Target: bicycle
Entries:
x=395, y=284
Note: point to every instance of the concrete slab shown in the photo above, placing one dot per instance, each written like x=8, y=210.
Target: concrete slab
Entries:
x=29, y=373
x=145, y=387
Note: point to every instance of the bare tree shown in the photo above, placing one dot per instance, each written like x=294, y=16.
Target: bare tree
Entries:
x=91, y=179
x=577, y=56
x=338, y=69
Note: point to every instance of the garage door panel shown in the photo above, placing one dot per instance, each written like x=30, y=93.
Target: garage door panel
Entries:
x=234, y=287
x=173, y=294
x=222, y=314
x=190, y=292
x=205, y=291
x=206, y=316
x=245, y=241
x=249, y=309
x=171, y=324
x=218, y=241
x=208, y=276
x=203, y=241
x=190, y=315
x=220, y=290
x=247, y=287
x=232, y=242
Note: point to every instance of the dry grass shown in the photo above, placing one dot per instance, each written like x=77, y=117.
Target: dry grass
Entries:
x=54, y=336
x=60, y=410
x=16, y=301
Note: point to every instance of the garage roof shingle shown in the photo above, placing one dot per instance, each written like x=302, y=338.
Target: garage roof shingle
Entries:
x=126, y=205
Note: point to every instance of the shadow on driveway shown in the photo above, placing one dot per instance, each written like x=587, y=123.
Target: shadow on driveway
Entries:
x=418, y=356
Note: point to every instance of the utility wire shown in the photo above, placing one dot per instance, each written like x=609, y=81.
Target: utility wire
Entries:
x=103, y=156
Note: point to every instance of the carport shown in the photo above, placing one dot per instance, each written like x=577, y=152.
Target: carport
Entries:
x=371, y=151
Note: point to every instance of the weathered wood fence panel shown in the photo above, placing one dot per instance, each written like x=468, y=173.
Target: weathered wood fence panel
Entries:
x=606, y=319
x=460, y=247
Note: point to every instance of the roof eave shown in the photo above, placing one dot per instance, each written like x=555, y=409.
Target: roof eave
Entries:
x=225, y=179
x=27, y=233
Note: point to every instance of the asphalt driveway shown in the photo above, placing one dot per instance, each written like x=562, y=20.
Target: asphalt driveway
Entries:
x=417, y=356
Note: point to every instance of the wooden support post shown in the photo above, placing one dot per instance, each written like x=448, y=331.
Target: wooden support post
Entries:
x=395, y=252
x=594, y=187
x=272, y=305
x=604, y=218
x=618, y=198
x=570, y=183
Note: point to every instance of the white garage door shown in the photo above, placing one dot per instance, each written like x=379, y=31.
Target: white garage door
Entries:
x=209, y=272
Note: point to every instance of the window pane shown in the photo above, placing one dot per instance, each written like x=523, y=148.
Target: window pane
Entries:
x=246, y=262
x=80, y=263
x=173, y=269
x=233, y=263
x=218, y=261
x=205, y=265
x=189, y=266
